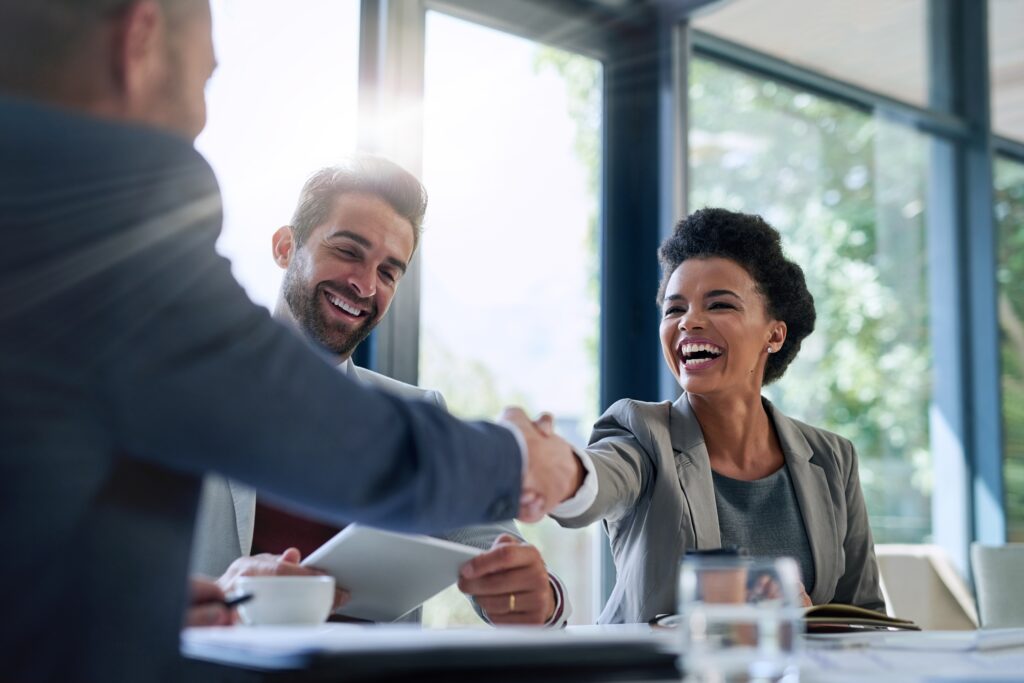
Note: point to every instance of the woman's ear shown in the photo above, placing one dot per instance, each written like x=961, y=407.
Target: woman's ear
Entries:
x=778, y=335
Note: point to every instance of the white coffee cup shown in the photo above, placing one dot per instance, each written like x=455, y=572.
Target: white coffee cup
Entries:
x=281, y=600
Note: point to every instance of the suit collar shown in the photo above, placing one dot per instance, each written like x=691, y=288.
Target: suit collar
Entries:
x=694, y=470
x=243, y=498
x=688, y=438
x=809, y=482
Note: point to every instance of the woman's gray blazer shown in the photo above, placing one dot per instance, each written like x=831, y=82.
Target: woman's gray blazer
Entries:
x=656, y=498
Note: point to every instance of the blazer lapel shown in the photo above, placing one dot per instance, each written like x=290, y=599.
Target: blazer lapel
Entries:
x=244, y=500
x=694, y=471
x=812, y=494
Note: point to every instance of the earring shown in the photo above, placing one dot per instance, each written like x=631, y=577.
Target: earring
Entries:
x=769, y=349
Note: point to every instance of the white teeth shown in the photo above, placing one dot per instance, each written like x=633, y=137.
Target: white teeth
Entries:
x=687, y=349
x=343, y=306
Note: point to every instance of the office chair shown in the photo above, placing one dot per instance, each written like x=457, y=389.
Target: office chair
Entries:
x=998, y=580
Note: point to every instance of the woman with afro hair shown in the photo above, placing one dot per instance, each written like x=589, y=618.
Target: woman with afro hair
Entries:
x=721, y=466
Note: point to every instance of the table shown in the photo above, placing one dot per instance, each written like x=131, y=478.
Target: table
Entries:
x=385, y=653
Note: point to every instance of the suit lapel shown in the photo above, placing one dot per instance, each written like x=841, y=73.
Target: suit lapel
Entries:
x=812, y=494
x=243, y=499
x=694, y=470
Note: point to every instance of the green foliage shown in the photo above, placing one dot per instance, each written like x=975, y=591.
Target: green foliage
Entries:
x=847, y=192
x=1009, y=210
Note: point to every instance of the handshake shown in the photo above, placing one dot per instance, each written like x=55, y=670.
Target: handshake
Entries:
x=553, y=472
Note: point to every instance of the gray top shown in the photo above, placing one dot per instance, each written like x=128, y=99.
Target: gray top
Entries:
x=763, y=517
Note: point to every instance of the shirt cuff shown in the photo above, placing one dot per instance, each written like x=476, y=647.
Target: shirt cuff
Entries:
x=563, y=608
x=520, y=441
x=586, y=494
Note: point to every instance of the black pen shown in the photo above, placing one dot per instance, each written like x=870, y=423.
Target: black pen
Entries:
x=236, y=600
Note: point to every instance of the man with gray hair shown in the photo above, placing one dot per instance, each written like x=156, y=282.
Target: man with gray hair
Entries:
x=353, y=234
x=133, y=363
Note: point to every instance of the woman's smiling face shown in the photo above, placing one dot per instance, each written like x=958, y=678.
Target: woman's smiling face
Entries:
x=715, y=327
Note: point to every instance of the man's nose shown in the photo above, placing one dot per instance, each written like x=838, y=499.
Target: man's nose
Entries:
x=363, y=281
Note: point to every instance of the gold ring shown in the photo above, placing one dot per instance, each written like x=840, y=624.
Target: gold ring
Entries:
x=511, y=602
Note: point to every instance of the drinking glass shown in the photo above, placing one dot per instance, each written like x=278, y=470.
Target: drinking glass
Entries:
x=740, y=619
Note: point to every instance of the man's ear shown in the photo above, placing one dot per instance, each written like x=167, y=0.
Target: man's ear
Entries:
x=139, y=52
x=283, y=244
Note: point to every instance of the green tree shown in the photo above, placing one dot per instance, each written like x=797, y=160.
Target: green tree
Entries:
x=846, y=191
x=1009, y=210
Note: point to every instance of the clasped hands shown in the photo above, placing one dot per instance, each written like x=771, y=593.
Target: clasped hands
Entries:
x=553, y=472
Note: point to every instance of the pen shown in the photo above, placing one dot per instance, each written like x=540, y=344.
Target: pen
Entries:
x=236, y=600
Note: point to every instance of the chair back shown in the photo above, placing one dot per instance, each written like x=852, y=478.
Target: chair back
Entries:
x=999, y=584
x=920, y=583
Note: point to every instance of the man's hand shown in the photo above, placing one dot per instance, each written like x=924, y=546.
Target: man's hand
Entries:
x=206, y=604
x=553, y=472
x=510, y=583
x=285, y=564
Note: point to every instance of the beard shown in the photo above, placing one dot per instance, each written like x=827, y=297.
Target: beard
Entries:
x=306, y=304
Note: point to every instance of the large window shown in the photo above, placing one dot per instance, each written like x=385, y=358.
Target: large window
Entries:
x=1006, y=60
x=281, y=104
x=880, y=45
x=847, y=192
x=1009, y=177
x=509, y=311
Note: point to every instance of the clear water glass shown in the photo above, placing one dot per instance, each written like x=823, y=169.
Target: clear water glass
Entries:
x=740, y=619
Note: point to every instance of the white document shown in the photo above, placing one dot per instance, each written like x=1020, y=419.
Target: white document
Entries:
x=915, y=657
x=944, y=641
x=388, y=574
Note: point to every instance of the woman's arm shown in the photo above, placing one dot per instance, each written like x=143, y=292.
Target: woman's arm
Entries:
x=621, y=468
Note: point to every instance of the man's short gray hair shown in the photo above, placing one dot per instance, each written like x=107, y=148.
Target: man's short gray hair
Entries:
x=41, y=38
x=366, y=174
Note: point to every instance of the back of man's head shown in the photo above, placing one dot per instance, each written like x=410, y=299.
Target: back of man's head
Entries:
x=75, y=52
x=364, y=174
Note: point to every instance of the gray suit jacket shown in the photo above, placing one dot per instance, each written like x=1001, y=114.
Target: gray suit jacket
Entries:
x=132, y=364
x=657, y=500
x=224, y=526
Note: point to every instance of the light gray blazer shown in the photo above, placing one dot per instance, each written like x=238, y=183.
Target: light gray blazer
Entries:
x=227, y=508
x=657, y=500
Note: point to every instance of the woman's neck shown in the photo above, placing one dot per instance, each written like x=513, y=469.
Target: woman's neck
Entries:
x=738, y=434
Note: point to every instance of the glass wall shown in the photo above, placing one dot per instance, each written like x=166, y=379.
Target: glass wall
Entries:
x=1009, y=178
x=509, y=298
x=847, y=192
x=281, y=104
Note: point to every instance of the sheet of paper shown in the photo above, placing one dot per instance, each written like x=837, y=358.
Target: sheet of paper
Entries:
x=942, y=641
x=881, y=665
